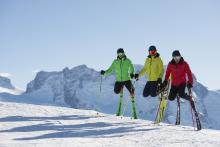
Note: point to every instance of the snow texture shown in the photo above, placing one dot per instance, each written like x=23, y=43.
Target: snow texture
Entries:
x=79, y=88
x=33, y=125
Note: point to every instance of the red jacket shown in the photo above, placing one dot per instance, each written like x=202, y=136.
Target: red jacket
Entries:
x=178, y=73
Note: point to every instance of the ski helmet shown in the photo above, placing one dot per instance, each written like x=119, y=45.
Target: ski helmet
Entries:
x=120, y=50
x=176, y=53
x=152, y=48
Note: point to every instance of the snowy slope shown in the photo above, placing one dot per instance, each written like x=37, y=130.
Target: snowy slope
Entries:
x=80, y=88
x=33, y=125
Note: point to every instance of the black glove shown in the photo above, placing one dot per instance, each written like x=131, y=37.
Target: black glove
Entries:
x=164, y=84
x=102, y=72
x=136, y=76
x=159, y=81
x=132, y=76
x=189, y=85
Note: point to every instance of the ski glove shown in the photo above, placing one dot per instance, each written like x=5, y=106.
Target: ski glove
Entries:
x=102, y=72
x=159, y=81
x=164, y=84
x=189, y=85
x=136, y=76
x=132, y=75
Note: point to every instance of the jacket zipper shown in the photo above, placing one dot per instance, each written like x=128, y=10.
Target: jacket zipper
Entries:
x=150, y=67
x=121, y=69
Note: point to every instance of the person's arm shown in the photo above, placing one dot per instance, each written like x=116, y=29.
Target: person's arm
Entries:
x=110, y=69
x=131, y=67
x=143, y=70
x=161, y=68
x=168, y=72
x=189, y=74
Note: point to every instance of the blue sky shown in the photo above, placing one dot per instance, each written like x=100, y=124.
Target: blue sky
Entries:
x=52, y=34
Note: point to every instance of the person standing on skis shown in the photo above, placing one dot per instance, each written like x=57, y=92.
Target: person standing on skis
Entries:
x=178, y=69
x=181, y=77
x=154, y=70
x=125, y=71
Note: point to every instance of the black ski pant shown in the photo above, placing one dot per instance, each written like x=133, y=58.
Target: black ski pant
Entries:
x=150, y=89
x=119, y=86
x=180, y=90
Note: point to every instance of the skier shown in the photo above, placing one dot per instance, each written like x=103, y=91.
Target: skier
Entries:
x=178, y=69
x=154, y=69
x=125, y=71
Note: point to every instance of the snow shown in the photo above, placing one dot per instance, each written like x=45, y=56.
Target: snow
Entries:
x=41, y=116
x=5, y=74
x=213, y=100
x=32, y=125
x=79, y=88
x=11, y=91
x=5, y=82
x=7, y=87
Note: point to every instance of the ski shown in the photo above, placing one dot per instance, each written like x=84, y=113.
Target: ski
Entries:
x=163, y=95
x=178, y=111
x=133, y=109
x=194, y=112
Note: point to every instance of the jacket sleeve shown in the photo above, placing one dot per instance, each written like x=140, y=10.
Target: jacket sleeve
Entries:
x=161, y=68
x=110, y=69
x=143, y=70
x=168, y=72
x=132, y=69
x=189, y=74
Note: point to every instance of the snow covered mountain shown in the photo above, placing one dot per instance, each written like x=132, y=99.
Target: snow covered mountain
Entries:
x=7, y=87
x=6, y=83
x=80, y=88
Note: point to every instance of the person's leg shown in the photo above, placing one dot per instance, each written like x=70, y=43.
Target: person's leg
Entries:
x=153, y=88
x=173, y=93
x=146, y=91
x=130, y=87
x=181, y=92
x=118, y=87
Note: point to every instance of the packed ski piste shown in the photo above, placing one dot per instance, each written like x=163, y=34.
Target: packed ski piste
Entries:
x=177, y=78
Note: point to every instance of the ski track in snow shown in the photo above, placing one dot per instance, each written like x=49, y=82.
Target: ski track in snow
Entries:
x=32, y=125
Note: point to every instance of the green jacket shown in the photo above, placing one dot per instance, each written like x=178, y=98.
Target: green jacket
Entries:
x=123, y=68
x=153, y=68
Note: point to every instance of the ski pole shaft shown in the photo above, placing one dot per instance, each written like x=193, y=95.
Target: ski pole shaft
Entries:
x=191, y=100
x=101, y=84
x=178, y=111
x=125, y=107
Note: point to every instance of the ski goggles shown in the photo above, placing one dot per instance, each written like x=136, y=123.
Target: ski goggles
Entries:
x=120, y=54
x=153, y=52
x=177, y=57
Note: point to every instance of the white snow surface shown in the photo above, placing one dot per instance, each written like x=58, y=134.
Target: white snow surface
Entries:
x=26, y=124
x=11, y=91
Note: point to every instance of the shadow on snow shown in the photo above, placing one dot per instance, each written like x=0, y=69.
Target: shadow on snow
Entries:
x=92, y=130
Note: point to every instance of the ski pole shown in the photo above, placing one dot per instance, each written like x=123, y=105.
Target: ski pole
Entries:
x=101, y=84
x=126, y=104
x=125, y=107
x=193, y=119
x=160, y=95
x=178, y=111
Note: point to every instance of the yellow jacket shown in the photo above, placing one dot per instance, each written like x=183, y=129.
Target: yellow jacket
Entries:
x=153, y=68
